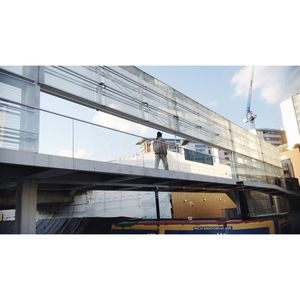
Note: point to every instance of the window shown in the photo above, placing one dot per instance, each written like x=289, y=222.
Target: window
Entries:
x=198, y=157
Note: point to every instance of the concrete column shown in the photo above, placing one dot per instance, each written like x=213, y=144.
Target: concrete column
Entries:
x=26, y=206
x=30, y=118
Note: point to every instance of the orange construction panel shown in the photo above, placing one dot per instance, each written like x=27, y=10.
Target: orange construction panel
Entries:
x=200, y=205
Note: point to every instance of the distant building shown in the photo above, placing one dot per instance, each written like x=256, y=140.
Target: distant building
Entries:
x=185, y=156
x=201, y=148
x=174, y=145
x=290, y=159
x=290, y=153
x=290, y=110
x=177, y=145
x=275, y=137
x=224, y=156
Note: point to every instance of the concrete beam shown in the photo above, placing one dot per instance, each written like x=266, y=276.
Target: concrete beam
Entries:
x=50, y=173
x=8, y=200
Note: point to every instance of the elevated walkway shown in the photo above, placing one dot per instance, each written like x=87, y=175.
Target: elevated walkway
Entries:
x=28, y=178
x=77, y=175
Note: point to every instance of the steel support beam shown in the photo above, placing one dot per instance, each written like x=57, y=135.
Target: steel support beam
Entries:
x=157, y=203
x=243, y=203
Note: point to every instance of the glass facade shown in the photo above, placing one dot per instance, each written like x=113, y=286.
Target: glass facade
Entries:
x=130, y=93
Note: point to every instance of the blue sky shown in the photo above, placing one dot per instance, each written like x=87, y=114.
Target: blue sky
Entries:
x=224, y=89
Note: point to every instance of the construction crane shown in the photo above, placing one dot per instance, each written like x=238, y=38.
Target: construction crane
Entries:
x=250, y=115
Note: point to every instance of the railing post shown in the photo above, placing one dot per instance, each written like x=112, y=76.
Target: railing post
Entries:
x=157, y=203
x=73, y=141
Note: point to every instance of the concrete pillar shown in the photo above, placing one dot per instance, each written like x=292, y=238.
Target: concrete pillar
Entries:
x=30, y=118
x=26, y=206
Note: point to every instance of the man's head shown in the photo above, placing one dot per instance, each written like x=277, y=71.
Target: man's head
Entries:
x=159, y=134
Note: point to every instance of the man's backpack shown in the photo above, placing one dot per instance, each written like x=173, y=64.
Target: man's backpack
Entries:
x=159, y=146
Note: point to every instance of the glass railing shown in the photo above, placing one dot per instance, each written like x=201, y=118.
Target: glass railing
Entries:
x=62, y=135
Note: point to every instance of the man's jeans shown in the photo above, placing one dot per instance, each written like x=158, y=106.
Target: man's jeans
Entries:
x=164, y=159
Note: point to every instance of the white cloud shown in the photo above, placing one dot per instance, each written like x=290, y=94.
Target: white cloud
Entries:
x=68, y=153
x=212, y=104
x=114, y=122
x=275, y=84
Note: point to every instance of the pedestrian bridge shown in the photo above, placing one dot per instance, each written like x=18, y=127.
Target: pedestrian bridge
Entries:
x=72, y=175
x=28, y=179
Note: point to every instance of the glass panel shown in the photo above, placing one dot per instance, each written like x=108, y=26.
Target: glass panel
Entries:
x=56, y=135
x=30, y=72
x=260, y=204
x=18, y=124
x=131, y=93
x=102, y=144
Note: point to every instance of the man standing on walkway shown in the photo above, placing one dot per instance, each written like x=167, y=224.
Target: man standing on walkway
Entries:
x=161, y=150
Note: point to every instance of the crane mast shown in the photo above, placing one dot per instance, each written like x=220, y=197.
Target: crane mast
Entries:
x=250, y=115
